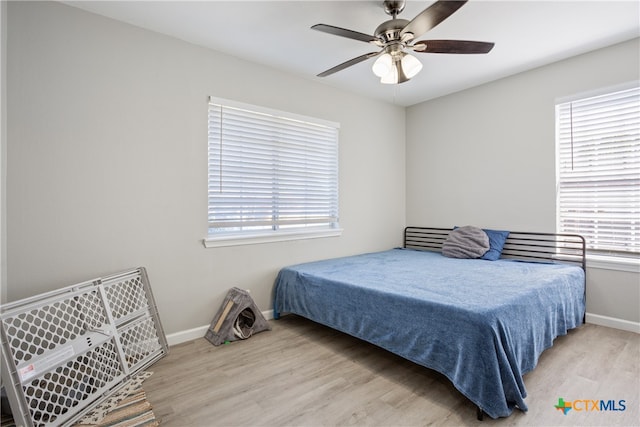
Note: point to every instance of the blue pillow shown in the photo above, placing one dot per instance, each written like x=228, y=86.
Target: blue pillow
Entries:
x=496, y=243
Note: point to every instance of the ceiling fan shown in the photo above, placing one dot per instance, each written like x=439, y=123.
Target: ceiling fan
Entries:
x=396, y=36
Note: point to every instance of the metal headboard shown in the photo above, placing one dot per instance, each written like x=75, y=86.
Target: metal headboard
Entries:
x=524, y=246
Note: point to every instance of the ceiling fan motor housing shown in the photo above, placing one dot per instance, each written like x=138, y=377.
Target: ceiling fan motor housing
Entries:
x=390, y=30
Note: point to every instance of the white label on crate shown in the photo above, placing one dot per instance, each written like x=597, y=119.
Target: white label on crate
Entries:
x=27, y=372
x=45, y=363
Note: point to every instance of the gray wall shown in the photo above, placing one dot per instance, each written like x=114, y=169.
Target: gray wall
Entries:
x=107, y=162
x=486, y=157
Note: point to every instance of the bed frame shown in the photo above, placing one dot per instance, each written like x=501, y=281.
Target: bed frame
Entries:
x=524, y=246
x=529, y=247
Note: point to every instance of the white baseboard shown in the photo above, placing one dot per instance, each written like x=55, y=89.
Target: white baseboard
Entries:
x=188, y=335
x=195, y=333
x=612, y=322
x=268, y=314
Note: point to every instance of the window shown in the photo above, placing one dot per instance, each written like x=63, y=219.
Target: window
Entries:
x=598, y=154
x=272, y=175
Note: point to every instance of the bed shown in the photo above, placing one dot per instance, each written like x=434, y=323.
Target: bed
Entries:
x=483, y=324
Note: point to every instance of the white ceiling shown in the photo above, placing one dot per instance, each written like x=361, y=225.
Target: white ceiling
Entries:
x=527, y=34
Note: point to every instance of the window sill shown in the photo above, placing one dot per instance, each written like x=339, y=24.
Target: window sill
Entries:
x=613, y=263
x=258, y=238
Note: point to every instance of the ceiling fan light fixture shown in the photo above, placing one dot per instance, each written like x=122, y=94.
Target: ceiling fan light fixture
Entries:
x=383, y=65
x=403, y=67
x=391, y=78
x=410, y=65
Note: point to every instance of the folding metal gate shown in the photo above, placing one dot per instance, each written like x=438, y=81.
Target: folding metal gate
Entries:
x=66, y=351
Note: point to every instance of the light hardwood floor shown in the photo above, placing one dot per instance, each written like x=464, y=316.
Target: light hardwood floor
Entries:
x=304, y=374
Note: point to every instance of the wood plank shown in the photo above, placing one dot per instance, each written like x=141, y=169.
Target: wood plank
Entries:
x=302, y=373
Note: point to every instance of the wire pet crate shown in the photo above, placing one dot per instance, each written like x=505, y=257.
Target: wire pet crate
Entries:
x=66, y=351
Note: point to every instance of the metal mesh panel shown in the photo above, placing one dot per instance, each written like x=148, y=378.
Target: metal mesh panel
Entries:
x=52, y=396
x=139, y=341
x=126, y=297
x=47, y=327
x=66, y=351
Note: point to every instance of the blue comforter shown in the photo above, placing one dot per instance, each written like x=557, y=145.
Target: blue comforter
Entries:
x=483, y=324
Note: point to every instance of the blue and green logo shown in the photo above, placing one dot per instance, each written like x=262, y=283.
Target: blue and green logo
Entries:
x=590, y=405
x=563, y=406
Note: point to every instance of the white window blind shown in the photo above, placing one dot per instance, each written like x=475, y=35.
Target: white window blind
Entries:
x=598, y=142
x=270, y=171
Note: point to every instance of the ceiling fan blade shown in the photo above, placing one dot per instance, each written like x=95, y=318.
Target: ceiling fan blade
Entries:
x=343, y=32
x=452, y=46
x=432, y=16
x=349, y=63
